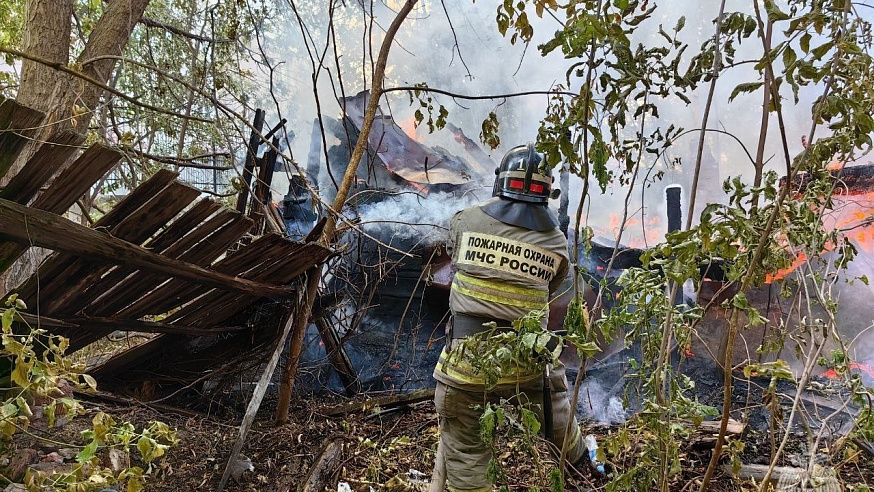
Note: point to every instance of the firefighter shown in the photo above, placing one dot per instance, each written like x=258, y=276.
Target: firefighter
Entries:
x=510, y=259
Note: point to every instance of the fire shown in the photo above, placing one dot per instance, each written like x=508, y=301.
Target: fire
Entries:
x=854, y=366
x=800, y=259
x=409, y=127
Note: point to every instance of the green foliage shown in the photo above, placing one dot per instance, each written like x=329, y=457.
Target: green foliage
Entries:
x=426, y=104
x=38, y=373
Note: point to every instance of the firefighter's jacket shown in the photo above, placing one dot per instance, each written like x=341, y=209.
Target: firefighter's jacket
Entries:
x=503, y=273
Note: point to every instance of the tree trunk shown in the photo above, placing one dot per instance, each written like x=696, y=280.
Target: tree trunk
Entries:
x=109, y=38
x=47, y=35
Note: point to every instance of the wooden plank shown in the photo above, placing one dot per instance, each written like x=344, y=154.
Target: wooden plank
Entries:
x=322, y=471
x=217, y=306
x=41, y=167
x=249, y=163
x=134, y=229
x=50, y=231
x=137, y=285
x=57, y=263
x=261, y=197
x=137, y=290
x=75, y=180
x=184, y=226
x=258, y=395
x=17, y=123
x=185, y=229
x=176, y=292
x=110, y=324
x=712, y=427
x=72, y=183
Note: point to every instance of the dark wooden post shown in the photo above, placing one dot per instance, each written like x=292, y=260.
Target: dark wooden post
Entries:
x=249, y=165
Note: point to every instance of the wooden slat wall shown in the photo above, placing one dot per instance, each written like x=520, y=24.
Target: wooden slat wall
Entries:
x=86, y=296
x=55, y=265
x=135, y=229
x=180, y=228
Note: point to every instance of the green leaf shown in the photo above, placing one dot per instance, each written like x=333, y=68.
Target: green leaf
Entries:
x=530, y=421
x=744, y=88
x=87, y=452
x=21, y=373
x=774, y=12
x=6, y=319
x=90, y=381
x=789, y=57
x=598, y=154
x=805, y=42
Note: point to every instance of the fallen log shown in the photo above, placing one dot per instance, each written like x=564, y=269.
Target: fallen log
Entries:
x=384, y=402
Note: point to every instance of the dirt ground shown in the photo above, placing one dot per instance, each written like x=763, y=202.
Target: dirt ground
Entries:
x=384, y=450
x=388, y=450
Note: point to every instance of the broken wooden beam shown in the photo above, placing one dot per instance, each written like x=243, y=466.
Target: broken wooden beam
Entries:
x=712, y=426
x=384, y=402
x=38, y=228
x=249, y=164
x=338, y=357
x=323, y=469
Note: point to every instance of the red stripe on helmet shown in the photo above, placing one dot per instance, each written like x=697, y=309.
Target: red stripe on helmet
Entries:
x=517, y=184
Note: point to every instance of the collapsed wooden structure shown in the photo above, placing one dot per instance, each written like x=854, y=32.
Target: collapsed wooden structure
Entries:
x=161, y=253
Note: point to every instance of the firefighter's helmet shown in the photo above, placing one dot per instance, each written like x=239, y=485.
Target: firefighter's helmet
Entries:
x=520, y=178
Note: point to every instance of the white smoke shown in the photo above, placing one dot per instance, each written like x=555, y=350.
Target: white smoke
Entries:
x=410, y=216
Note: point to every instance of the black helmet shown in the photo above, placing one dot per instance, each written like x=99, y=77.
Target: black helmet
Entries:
x=519, y=176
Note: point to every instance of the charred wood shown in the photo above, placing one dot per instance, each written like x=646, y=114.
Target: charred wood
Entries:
x=251, y=156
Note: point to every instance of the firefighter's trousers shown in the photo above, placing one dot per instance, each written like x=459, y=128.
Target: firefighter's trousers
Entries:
x=462, y=453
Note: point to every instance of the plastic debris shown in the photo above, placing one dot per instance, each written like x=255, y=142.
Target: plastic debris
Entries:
x=592, y=447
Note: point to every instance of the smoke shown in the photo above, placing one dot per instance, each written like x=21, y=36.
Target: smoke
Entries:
x=411, y=217
x=463, y=53
x=596, y=403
